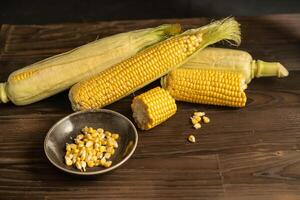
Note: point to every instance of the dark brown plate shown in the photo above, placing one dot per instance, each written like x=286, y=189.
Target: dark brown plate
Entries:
x=67, y=128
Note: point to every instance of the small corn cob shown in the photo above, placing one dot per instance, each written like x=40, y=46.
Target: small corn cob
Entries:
x=235, y=60
x=55, y=74
x=216, y=87
x=148, y=65
x=152, y=108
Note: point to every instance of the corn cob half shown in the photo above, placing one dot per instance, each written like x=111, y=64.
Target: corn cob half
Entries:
x=152, y=108
x=206, y=86
x=149, y=65
x=236, y=60
x=55, y=74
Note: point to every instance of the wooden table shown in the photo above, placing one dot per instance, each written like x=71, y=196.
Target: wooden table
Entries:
x=250, y=153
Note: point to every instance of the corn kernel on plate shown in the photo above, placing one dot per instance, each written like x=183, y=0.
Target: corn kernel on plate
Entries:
x=71, y=143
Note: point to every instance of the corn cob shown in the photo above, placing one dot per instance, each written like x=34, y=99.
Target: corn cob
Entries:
x=237, y=60
x=57, y=73
x=206, y=86
x=152, y=108
x=148, y=65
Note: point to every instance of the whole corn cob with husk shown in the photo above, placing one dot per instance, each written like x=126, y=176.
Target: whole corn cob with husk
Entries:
x=152, y=108
x=206, y=86
x=236, y=60
x=149, y=65
x=57, y=73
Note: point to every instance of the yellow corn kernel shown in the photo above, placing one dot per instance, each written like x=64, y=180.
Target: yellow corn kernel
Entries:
x=95, y=134
x=97, y=163
x=102, y=149
x=73, y=146
x=197, y=126
x=115, y=136
x=112, y=151
x=88, y=136
x=83, y=165
x=94, y=158
x=68, y=162
x=80, y=137
x=99, y=155
x=109, y=149
x=152, y=108
x=100, y=130
x=110, y=142
x=115, y=144
x=89, y=144
x=85, y=129
x=199, y=114
x=80, y=144
x=91, y=163
x=107, y=134
x=107, y=155
x=97, y=145
x=74, y=159
x=107, y=164
x=68, y=147
x=192, y=139
x=206, y=120
x=195, y=119
x=76, y=151
x=78, y=165
x=103, y=161
x=215, y=87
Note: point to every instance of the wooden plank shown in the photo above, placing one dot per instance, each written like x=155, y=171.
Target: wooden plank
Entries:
x=261, y=175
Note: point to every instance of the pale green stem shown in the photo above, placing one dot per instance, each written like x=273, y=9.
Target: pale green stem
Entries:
x=263, y=69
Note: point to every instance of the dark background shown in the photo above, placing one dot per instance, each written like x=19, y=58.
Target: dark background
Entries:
x=44, y=12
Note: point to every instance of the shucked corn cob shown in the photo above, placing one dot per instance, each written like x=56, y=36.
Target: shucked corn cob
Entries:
x=206, y=86
x=57, y=73
x=148, y=65
x=152, y=108
x=236, y=60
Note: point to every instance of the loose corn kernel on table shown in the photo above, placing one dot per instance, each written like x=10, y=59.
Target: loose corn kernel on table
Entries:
x=249, y=153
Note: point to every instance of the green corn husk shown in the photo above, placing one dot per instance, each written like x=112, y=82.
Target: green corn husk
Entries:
x=57, y=73
x=104, y=89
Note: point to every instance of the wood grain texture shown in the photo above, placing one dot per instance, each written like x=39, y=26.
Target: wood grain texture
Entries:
x=249, y=153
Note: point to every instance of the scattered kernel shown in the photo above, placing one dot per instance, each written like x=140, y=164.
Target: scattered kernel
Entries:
x=192, y=139
x=206, y=120
x=197, y=126
x=199, y=114
x=197, y=118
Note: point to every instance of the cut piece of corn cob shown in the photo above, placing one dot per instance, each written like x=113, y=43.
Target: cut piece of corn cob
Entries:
x=57, y=73
x=148, y=65
x=216, y=87
x=152, y=108
x=235, y=60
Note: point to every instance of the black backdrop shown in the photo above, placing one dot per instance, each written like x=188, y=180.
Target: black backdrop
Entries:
x=47, y=11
